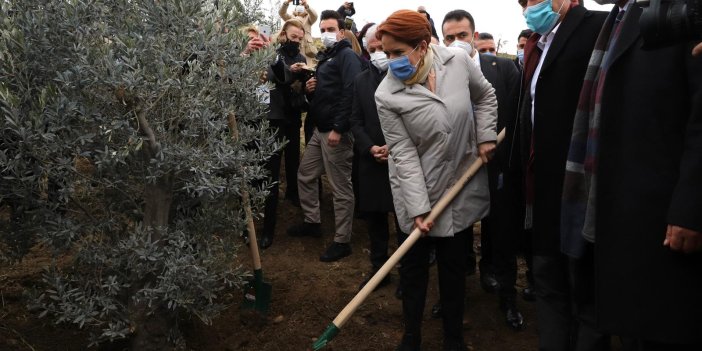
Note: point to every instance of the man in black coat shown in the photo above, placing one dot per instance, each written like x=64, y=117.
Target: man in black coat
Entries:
x=648, y=224
x=555, y=63
x=330, y=149
x=375, y=198
x=498, y=266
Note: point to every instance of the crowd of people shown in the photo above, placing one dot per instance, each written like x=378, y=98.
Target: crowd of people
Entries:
x=598, y=182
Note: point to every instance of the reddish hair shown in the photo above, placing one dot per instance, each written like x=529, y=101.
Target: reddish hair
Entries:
x=406, y=26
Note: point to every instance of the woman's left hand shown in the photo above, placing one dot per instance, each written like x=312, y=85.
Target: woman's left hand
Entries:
x=486, y=151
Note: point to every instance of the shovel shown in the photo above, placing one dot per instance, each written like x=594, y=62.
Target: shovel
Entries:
x=341, y=319
x=257, y=293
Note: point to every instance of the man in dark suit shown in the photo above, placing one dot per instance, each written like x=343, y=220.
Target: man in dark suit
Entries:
x=645, y=153
x=556, y=59
x=375, y=198
x=499, y=237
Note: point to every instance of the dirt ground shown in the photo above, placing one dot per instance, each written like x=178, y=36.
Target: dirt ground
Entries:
x=307, y=295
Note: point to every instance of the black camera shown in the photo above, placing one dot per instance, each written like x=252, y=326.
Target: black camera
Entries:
x=296, y=2
x=666, y=22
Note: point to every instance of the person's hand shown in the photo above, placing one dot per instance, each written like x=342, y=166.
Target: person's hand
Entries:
x=296, y=67
x=333, y=139
x=683, y=239
x=379, y=153
x=311, y=85
x=255, y=44
x=486, y=150
x=424, y=226
x=697, y=50
x=303, y=3
x=263, y=77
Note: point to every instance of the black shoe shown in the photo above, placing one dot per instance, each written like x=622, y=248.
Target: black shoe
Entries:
x=306, y=229
x=528, y=294
x=382, y=283
x=488, y=281
x=398, y=292
x=436, y=310
x=409, y=343
x=266, y=241
x=513, y=317
x=335, y=252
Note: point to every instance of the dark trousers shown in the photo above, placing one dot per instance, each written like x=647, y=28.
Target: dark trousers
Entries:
x=565, y=307
x=290, y=131
x=379, y=235
x=414, y=277
x=506, y=225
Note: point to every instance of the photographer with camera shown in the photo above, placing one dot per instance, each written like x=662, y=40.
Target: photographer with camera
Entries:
x=307, y=16
x=633, y=183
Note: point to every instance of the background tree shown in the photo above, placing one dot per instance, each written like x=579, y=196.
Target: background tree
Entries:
x=116, y=150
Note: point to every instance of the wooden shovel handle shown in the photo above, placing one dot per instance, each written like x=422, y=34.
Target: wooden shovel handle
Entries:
x=246, y=200
x=440, y=206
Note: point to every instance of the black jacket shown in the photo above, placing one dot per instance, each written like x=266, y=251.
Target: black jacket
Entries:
x=374, y=193
x=287, y=97
x=649, y=175
x=504, y=77
x=557, y=93
x=330, y=104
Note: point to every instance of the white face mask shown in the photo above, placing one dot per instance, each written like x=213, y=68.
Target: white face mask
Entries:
x=328, y=39
x=379, y=60
x=468, y=47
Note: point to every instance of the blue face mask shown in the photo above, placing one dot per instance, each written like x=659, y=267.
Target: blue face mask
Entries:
x=402, y=68
x=520, y=55
x=540, y=17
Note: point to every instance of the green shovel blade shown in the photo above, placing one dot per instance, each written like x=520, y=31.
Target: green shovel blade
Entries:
x=257, y=293
x=326, y=337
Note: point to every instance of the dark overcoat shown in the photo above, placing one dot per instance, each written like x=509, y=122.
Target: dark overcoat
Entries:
x=649, y=176
x=373, y=183
x=557, y=93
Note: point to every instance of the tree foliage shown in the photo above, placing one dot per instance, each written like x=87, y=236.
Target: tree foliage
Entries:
x=116, y=149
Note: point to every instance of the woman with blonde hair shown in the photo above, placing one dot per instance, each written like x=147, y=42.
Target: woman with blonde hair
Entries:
x=287, y=101
x=438, y=115
x=307, y=16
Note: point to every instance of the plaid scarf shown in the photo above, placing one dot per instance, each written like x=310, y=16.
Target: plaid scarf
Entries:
x=578, y=209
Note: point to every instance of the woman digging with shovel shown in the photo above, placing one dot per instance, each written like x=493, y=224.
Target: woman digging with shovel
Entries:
x=438, y=115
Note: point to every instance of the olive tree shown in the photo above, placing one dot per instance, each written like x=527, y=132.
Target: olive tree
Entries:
x=117, y=156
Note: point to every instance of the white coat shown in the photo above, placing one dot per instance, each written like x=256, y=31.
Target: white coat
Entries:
x=433, y=138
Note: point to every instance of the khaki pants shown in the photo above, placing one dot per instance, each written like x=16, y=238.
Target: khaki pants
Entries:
x=320, y=158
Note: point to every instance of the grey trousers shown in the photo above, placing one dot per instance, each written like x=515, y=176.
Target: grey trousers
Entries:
x=320, y=158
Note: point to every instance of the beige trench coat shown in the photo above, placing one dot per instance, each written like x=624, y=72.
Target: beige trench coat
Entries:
x=307, y=48
x=433, y=139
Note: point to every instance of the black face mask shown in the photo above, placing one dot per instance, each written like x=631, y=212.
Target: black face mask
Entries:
x=290, y=48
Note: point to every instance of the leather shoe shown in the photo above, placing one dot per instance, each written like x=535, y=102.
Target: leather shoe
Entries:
x=528, y=294
x=266, y=241
x=335, y=252
x=382, y=283
x=513, y=317
x=436, y=310
x=306, y=229
x=489, y=282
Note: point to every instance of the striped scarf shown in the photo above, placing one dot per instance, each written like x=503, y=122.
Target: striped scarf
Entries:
x=578, y=208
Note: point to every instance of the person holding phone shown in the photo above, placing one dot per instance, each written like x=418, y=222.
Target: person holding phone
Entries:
x=307, y=16
x=287, y=101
